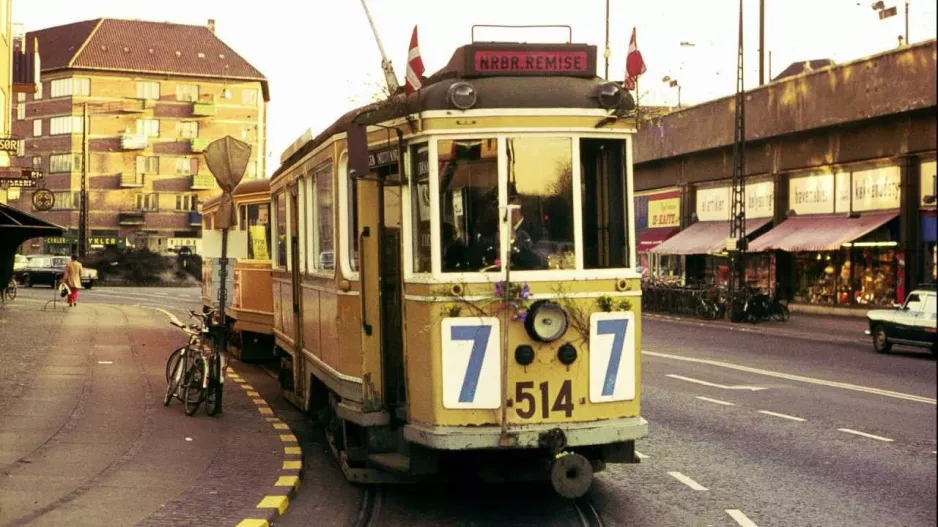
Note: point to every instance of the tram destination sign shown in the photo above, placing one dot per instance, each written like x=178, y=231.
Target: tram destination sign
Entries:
x=540, y=60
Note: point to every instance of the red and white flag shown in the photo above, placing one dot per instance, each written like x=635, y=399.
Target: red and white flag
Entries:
x=634, y=64
x=415, y=69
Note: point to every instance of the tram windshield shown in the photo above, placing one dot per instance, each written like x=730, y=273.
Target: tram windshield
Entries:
x=540, y=190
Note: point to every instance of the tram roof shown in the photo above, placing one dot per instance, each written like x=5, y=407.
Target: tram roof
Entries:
x=501, y=90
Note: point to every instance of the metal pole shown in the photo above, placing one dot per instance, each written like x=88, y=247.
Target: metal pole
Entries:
x=678, y=95
x=738, y=190
x=906, y=23
x=389, y=77
x=222, y=334
x=761, y=42
x=83, y=206
x=608, y=51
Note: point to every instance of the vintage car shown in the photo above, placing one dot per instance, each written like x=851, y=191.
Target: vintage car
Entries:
x=19, y=262
x=47, y=269
x=911, y=324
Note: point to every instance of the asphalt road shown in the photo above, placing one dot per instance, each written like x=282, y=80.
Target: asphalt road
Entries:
x=746, y=428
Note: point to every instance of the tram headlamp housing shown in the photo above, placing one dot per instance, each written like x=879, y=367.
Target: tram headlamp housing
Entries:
x=610, y=95
x=462, y=95
x=546, y=321
x=524, y=354
x=567, y=354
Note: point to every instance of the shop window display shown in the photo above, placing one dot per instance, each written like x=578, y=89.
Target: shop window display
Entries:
x=833, y=278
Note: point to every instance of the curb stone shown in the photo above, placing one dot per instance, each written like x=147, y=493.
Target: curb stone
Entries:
x=277, y=499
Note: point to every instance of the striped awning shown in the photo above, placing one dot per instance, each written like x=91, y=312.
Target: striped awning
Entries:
x=820, y=232
x=705, y=237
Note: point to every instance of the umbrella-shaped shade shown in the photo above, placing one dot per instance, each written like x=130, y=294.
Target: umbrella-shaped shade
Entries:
x=16, y=227
x=227, y=158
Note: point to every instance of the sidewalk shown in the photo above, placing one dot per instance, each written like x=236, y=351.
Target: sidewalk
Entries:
x=85, y=438
x=824, y=328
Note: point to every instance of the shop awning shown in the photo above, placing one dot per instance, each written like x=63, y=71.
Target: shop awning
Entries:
x=820, y=232
x=705, y=237
x=651, y=238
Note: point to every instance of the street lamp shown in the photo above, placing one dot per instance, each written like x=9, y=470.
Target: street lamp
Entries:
x=674, y=84
x=887, y=12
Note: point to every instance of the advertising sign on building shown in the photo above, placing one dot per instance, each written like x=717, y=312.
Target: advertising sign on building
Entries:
x=811, y=194
x=664, y=210
x=874, y=189
x=713, y=204
x=929, y=182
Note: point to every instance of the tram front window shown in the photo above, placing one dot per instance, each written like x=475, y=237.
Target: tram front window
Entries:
x=540, y=181
x=468, y=172
x=603, y=188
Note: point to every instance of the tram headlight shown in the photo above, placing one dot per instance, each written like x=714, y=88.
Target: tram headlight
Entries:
x=462, y=95
x=610, y=95
x=546, y=321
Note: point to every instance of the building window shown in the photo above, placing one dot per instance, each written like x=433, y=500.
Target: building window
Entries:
x=148, y=90
x=187, y=129
x=38, y=94
x=249, y=97
x=21, y=111
x=37, y=162
x=147, y=201
x=69, y=87
x=37, y=127
x=68, y=124
x=187, y=92
x=64, y=162
x=148, y=165
x=20, y=97
x=65, y=200
x=187, y=166
x=148, y=127
x=187, y=202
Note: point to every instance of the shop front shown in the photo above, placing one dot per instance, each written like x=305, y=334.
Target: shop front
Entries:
x=703, y=243
x=657, y=218
x=840, y=238
x=927, y=212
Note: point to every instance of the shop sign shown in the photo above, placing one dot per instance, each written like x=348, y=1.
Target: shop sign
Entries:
x=873, y=189
x=58, y=240
x=928, y=182
x=108, y=240
x=664, y=212
x=812, y=194
x=713, y=204
x=10, y=145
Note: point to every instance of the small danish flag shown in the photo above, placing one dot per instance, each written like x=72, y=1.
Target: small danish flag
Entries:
x=415, y=68
x=634, y=64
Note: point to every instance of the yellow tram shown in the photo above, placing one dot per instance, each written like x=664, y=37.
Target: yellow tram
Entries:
x=250, y=312
x=454, y=278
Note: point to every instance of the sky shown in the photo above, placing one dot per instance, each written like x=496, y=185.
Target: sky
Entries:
x=321, y=58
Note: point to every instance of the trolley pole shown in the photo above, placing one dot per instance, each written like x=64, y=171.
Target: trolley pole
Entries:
x=389, y=76
x=737, y=241
x=608, y=51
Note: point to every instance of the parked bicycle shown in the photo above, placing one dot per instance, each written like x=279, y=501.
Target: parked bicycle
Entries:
x=8, y=293
x=180, y=361
x=205, y=379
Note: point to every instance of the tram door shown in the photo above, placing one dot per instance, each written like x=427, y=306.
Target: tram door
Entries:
x=380, y=280
x=299, y=383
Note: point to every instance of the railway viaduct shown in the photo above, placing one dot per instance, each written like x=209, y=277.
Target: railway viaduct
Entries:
x=879, y=111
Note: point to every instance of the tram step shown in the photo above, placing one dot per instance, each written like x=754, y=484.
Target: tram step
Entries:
x=393, y=461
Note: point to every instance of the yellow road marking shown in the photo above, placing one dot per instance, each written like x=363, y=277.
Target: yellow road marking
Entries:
x=252, y=393
x=288, y=481
x=265, y=410
x=281, y=426
x=292, y=450
x=274, y=502
x=288, y=438
x=293, y=465
x=253, y=523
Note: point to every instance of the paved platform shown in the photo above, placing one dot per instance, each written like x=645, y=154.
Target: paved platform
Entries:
x=86, y=440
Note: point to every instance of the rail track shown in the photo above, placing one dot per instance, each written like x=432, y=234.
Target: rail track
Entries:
x=588, y=515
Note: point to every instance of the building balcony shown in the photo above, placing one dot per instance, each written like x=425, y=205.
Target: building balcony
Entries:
x=138, y=105
x=195, y=219
x=203, y=109
x=203, y=183
x=134, y=142
x=198, y=144
x=131, y=180
x=131, y=218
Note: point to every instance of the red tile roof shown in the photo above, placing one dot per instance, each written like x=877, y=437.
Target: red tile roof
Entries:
x=142, y=47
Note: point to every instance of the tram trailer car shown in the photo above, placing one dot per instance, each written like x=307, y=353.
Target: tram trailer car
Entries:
x=454, y=275
x=250, y=312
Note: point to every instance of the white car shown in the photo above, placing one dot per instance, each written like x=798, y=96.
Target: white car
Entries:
x=913, y=323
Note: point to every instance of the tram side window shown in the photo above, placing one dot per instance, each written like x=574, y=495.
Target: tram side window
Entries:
x=325, y=252
x=280, y=201
x=603, y=186
x=255, y=218
x=420, y=206
x=468, y=172
x=540, y=180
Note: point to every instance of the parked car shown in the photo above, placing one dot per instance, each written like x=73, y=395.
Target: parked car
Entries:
x=913, y=323
x=19, y=262
x=46, y=270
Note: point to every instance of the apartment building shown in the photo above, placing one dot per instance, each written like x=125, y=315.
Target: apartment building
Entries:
x=135, y=103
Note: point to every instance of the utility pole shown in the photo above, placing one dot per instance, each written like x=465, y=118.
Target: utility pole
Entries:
x=737, y=241
x=608, y=51
x=762, y=42
x=83, y=197
x=906, y=23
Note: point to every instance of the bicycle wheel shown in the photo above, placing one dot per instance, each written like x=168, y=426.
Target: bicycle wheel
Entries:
x=175, y=379
x=213, y=398
x=784, y=314
x=11, y=290
x=172, y=361
x=194, y=394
